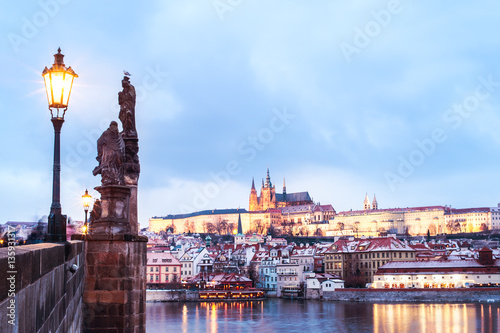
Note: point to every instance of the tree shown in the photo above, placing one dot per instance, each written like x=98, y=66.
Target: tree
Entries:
x=171, y=228
x=258, y=227
x=230, y=228
x=273, y=231
x=220, y=225
x=253, y=273
x=211, y=228
x=483, y=227
x=353, y=277
x=428, y=235
x=287, y=227
x=189, y=227
x=318, y=232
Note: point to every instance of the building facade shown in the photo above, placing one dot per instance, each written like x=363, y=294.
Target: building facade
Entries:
x=162, y=267
x=349, y=258
x=484, y=271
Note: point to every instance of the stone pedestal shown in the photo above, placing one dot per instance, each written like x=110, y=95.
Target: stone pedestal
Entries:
x=114, y=298
x=132, y=170
x=134, y=220
x=114, y=220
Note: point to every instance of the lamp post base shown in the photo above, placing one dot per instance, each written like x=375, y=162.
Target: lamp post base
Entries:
x=57, y=228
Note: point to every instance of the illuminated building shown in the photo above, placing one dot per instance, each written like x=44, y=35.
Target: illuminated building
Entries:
x=482, y=272
x=268, y=197
x=362, y=257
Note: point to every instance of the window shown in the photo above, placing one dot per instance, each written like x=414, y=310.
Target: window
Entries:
x=157, y=268
x=151, y=269
x=166, y=269
x=155, y=260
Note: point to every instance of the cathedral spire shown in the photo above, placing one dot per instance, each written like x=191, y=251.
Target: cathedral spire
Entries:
x=253, y=184
x=284, y=189
x=268, y=179
x=366, y=203
x=240, y=227
x=374, y=203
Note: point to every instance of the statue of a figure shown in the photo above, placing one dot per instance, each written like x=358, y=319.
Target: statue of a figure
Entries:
x=110, y=155
x=126, y=99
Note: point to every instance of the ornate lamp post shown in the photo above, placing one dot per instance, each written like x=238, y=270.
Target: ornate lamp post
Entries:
x=86, y=198
x=58, y=82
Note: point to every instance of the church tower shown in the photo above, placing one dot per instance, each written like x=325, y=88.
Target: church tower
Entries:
x=374, y=203
x=268, y=194
x=367, y=202
x=239, y=238
x=254, y=201
x=284, y=190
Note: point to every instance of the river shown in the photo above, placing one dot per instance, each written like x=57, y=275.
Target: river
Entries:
x=278, y=315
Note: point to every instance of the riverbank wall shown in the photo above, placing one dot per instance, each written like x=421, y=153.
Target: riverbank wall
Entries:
x=463, y=295
x=174, y=295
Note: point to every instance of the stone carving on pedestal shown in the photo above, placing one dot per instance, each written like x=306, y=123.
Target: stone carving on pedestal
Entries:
x=119, y=169
x=110, y=155
x=115, y=196
x=132, y=168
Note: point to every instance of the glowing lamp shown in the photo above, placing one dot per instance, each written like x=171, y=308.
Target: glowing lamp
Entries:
x=58, y=82
x=86, y=198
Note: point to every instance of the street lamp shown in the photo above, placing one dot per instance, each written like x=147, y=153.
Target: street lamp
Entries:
x=58, y=82
x=86, y=198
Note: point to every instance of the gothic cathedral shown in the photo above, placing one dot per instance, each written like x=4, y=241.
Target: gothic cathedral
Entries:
x=269, y=199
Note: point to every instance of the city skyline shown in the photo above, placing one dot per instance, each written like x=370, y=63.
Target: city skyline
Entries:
x=393, y=98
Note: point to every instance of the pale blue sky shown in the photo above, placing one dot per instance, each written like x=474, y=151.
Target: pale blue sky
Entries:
x=339, y=97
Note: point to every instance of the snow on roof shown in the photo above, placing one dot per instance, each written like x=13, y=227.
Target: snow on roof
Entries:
x=159, y=256
x=370, y=245
x=434, y=264
x=392, y=210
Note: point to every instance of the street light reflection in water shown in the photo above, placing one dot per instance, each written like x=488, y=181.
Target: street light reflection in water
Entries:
x=276, y=315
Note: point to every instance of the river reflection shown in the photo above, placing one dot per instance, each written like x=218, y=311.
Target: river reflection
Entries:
x=277, y=315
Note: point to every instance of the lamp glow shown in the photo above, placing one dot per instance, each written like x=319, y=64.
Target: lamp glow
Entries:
x=58, y=82
x=86, y=199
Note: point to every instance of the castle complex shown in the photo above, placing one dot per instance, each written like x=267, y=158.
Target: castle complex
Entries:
x=297, y=214
x=270, y=199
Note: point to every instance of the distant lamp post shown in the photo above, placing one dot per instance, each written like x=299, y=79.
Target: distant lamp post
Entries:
x=58, y=82
x=86, y=198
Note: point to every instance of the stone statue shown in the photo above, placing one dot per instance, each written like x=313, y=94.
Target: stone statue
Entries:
x=126, y=99
x=110, y=155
